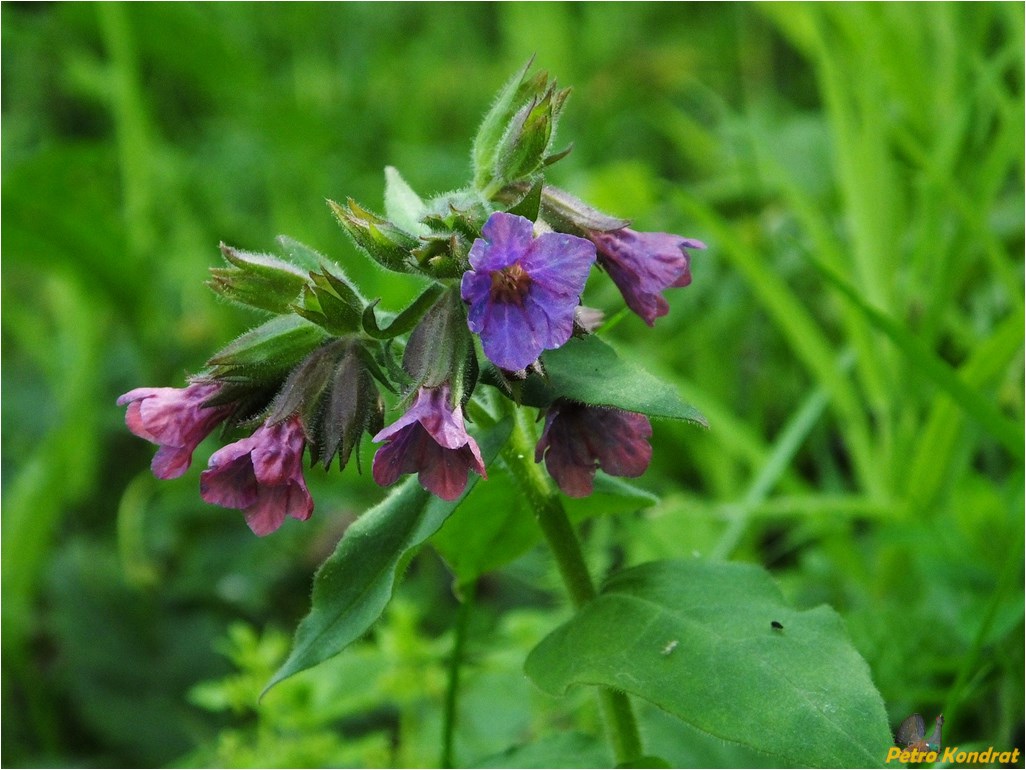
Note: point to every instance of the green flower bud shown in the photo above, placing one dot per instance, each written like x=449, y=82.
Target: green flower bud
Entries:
x=523, y=148
x=266, y=352
x=262, y=281
x=385, y=243
x=441, y=350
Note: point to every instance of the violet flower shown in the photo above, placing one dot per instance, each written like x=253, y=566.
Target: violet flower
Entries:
x=175, y=419
x=523, y=290
x=262, y=475
x=578, y=439
x=430, y=439
x=644, y=264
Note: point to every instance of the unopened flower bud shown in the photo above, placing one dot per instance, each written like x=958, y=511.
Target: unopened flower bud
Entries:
x=262, y=281
x=386, y=243
x=524, y=146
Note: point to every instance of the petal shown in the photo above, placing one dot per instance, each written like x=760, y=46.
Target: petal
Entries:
x=551, y=317
x=231, y=485
x=268, y=512
x=443, y=423
x=574, y=479
x=475, y=288
x=299, y=504
x=509, y=338
x=398, y=455
x=621, y=444
x=560, y=262
x=170, y=462
x=136, y=394
x=134, y=421
x=509, y=236
x=278, y=452
x=444, y=472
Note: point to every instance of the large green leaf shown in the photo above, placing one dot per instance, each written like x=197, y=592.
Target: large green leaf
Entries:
x=560, y=750
x=353, y=586
x=695, y=638
x=588, y=370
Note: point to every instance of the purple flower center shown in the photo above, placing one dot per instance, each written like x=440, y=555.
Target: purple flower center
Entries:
x=510, y=285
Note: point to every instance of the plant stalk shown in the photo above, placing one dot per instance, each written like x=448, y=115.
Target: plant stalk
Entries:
x=455, y=662
x=562, y=539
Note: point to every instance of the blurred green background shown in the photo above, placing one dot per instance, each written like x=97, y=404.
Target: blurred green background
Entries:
x=854, y=334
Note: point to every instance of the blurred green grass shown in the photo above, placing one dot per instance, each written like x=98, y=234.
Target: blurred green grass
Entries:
x=854, y=332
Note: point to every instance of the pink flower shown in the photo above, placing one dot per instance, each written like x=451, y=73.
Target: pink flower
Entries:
x=579, y=438
x=644, y=264
x=430, y=439
x=262, y=475
x=175, y=419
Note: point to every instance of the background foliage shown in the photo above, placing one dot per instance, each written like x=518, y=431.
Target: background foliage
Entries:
x=854, y=335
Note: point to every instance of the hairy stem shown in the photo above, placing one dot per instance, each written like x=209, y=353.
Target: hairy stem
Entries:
x=562, y=539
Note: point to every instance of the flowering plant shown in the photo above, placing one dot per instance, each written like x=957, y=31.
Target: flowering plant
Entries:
x=498, y=340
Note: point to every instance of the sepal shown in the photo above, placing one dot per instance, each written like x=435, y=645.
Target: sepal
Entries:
x=454, y=221
x=440, y=350
x=331, y=302
x=570, y=214
x=333, y=394
x=263, y=353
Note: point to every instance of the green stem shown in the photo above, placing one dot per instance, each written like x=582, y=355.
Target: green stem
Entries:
x=562, y=539
x=449, y=716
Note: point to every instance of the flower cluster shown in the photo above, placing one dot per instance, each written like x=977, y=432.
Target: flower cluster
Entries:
x=507, y=260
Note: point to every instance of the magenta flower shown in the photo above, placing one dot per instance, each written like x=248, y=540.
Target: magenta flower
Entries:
x=261, y=475
x=430, y=439
x=644, y=264
x=579, y=438
x=175, y=419
x=523, y=290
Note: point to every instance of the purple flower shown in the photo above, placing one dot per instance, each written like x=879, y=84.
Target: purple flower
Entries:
x=523, y=290
x=579, y=438
x=175, y=419
x=430, y=439
x=644, y=264
x=262, y=475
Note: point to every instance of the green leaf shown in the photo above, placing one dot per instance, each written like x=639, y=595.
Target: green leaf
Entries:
x=588, y=370
x=695, y=638
x=353, y=586
x=405, y=320
x=486, y=141
x=302, y=255
x=529, y=205
x=974, y=403
x=567, y=750
x=402, y=204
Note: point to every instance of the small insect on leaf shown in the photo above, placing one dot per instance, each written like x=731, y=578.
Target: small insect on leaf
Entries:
x=776, y=625
x=670, y=647
x=910, y=733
